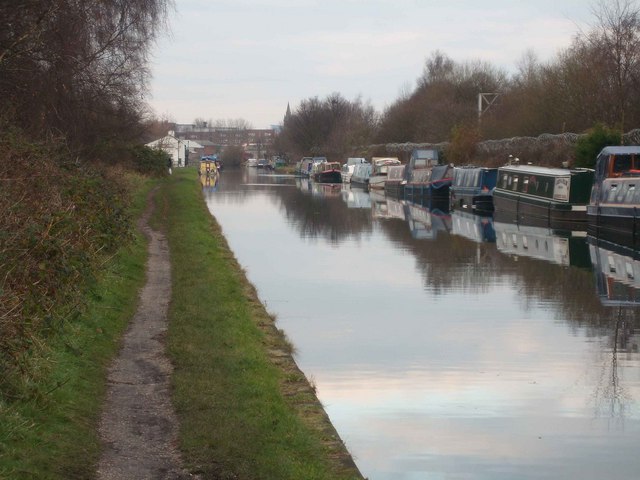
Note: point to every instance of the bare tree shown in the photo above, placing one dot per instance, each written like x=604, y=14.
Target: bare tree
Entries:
x=616, y=36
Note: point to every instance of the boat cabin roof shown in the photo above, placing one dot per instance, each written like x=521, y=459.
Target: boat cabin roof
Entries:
x=385, y=161
x=537, y=170
x=355, y=161
x=620, y=150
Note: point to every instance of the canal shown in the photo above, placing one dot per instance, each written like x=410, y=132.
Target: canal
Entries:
x=446, y=346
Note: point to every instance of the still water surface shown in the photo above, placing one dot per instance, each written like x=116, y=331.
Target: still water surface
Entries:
x=445, y=346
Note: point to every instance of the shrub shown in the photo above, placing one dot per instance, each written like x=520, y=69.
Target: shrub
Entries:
x=588, y=146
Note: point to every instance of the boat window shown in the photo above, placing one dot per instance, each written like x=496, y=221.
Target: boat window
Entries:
x=622, y=163
x=628, y=198
x=622, y=192
x=476, y=178
x=514, y=187
x=514, y=240
x=525, y=242
x=612, y=264
x=420, y=163
x=525, y=185
x=504, y=180
x=611, y=194
x=629, y=269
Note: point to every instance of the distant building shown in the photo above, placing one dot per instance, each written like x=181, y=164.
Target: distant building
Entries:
x=175, y=147
x=222, y=137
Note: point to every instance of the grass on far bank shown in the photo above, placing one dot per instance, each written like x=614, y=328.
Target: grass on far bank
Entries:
x=245, y=409
x=54, y=435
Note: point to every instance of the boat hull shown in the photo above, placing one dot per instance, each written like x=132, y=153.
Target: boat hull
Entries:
x=329, y=176
x=618, y=224
x=523, y=209
x=394, y=189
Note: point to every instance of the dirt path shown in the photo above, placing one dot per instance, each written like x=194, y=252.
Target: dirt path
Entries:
x=138, y=426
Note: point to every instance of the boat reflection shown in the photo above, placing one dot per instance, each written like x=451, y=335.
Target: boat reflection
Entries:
x=384, y=207
x=426, y=224
x=324, y=190
x=209, y=182
x=562, y=247
x=617, y=273
x=355, y=198
x=477, y=228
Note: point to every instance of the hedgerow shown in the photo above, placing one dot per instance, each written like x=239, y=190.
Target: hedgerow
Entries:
x=61, y=218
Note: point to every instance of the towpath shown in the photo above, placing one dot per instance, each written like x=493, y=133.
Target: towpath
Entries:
x=139, y=427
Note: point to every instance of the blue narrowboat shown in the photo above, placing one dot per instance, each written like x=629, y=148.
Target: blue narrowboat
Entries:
x=472, y=189
x=427, y=181
x=360, y=176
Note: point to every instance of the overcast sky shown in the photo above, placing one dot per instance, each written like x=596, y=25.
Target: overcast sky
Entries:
x=248, y=58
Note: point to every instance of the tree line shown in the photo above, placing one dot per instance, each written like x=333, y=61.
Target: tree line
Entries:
x=77, y=69
x=595, y=81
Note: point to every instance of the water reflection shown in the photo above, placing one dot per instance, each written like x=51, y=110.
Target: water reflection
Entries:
x=440, y=355
x=563, y=247
x=478, y=228
x=617, y=272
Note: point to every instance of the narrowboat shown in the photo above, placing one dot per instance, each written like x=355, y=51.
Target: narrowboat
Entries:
x=472, y=189
x=394, y=185
x=361, y=174
x=380, y=168
x=327, y=172
x=431, y=188
x=614, y=209
x=347, y=169
x=418, y=172
x=304, y=166
x=551, y=197
x=477, y=228
x=558, y=246
x=617, y=273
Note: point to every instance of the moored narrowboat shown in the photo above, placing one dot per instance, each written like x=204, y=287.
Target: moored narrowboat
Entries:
x=360, y=176
x=431, y=187
x=347, y=169
x=394, y=185
x=614, y=209
x=418, y=173
x=380, y=170
x=327, y=172
x=472, y=189
x=552, y=197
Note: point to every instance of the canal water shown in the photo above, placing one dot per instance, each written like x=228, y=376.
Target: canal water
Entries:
x=443, y=345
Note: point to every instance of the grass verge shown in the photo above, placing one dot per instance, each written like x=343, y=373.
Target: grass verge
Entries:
x=53, y=435
x=245, y=409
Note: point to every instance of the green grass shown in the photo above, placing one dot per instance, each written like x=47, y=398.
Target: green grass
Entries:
x=245, y=409
x=53, y=435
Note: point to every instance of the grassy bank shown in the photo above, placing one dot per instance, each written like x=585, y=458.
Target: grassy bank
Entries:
x=245, y=409
x=52, y=433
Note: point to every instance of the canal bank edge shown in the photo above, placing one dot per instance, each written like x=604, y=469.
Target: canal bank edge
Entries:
x=211, y=297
